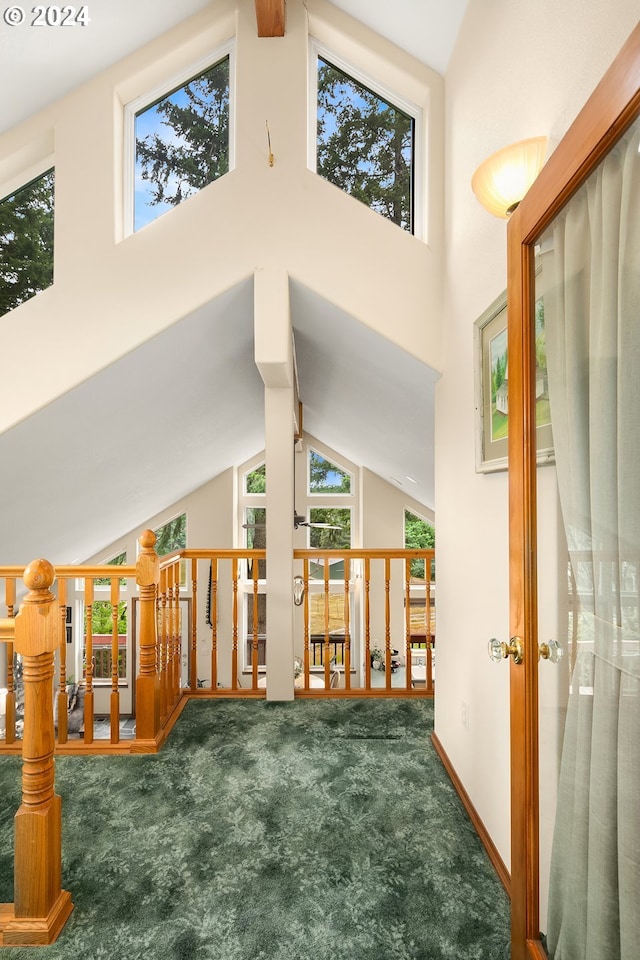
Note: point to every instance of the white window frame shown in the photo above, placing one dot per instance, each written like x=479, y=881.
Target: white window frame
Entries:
x=320, y=494
x=162, y=90
x=318, y=49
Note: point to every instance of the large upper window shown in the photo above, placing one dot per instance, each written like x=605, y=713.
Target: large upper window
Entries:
x=365, y=144
x=26, y=242
x=182, y=142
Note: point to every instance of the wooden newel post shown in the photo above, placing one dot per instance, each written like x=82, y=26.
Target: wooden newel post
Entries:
x=148, y=680
x=40, y=907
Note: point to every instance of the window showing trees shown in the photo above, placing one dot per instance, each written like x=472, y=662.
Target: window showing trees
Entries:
x=26, y=242
x=335, y=532
x=102, y=633
x=256, y=480
x=182, y=143
x=326, y=477
x=172, y=535
x=119, y=561
x=418, y=535
x=365, y=145
x=255, y=525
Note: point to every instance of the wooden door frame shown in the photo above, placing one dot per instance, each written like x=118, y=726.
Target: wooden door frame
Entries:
x=612, y=107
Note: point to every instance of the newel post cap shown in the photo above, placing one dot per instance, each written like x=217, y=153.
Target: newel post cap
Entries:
x=148, y=564
x=38, y=626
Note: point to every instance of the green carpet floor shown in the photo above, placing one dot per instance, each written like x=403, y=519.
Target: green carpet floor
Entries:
x=313, y=830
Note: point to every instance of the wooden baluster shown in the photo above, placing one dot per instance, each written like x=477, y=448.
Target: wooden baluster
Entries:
x=162, y=643
x=40, y=907
x=427, y=573
x=367, y=624
x=234, y=649
x=387, y=621
x=407, y=620
x=63, y=701
x=307, y=609
x=88, y=660
x=170, y=638
x=346, y=660
x=147, y=681
x=326, y=657
x=10, y=713
x=115, y=652
x=177, y=634
x=214, y=623
x=193, y=673
x=254, y=644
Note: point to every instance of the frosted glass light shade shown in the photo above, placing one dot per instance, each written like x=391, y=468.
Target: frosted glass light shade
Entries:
x=502, y=180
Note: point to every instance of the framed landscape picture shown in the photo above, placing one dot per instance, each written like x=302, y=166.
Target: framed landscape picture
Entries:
x=491, y=394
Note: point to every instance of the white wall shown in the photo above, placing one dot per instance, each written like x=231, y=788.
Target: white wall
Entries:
x=130, y=287
x=518, y=70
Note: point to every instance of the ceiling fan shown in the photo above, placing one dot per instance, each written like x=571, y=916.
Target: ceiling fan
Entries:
x=298, y=521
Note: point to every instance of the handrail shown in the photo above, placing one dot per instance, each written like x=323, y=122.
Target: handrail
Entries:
x=340, y=644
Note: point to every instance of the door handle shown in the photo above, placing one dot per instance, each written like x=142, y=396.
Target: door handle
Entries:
x=551, y=651
x=499, y=650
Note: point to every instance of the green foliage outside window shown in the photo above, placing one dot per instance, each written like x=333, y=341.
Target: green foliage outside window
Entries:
x=418, y=535
x=326, y=477
x=182, y=143
x=323, y=537
x=256, y=519
x=365, y=145
x=119, y=561
x=172, y=535
x=26, y=242
x=102, y=620
x=256, y=480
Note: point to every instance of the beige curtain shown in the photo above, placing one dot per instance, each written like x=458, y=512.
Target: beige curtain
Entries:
x=591, y=268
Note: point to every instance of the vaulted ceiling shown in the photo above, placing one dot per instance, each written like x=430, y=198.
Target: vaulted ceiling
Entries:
x=356, y=386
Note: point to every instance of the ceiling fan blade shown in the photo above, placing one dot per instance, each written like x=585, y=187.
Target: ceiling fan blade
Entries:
x=322, y=526
x=253, y=526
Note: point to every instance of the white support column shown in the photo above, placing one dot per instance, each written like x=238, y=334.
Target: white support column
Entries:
x=274, y=358
x=279, y=459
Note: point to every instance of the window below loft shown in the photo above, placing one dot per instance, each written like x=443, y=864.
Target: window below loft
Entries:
x=181, y=141
x=26, y=242
x=419, y=534
x=365, y=143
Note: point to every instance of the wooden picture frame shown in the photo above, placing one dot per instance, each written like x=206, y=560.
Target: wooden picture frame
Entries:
x=491, y=400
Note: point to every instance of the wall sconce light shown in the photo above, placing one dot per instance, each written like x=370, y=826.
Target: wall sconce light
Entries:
x=502, y=180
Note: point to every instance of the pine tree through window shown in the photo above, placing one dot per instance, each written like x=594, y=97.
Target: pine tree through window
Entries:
x=365, y=145
x=26, y=242
x=182, y=143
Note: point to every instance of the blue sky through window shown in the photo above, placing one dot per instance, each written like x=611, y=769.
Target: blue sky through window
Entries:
x=365, y=144
x=181, y=143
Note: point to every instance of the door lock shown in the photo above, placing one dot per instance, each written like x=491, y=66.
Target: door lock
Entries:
x=499, y=650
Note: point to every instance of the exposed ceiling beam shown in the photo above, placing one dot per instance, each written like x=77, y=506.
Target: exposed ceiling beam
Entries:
x=270, y=17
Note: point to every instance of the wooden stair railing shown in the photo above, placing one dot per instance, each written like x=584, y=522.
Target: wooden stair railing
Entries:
x=40, y=907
